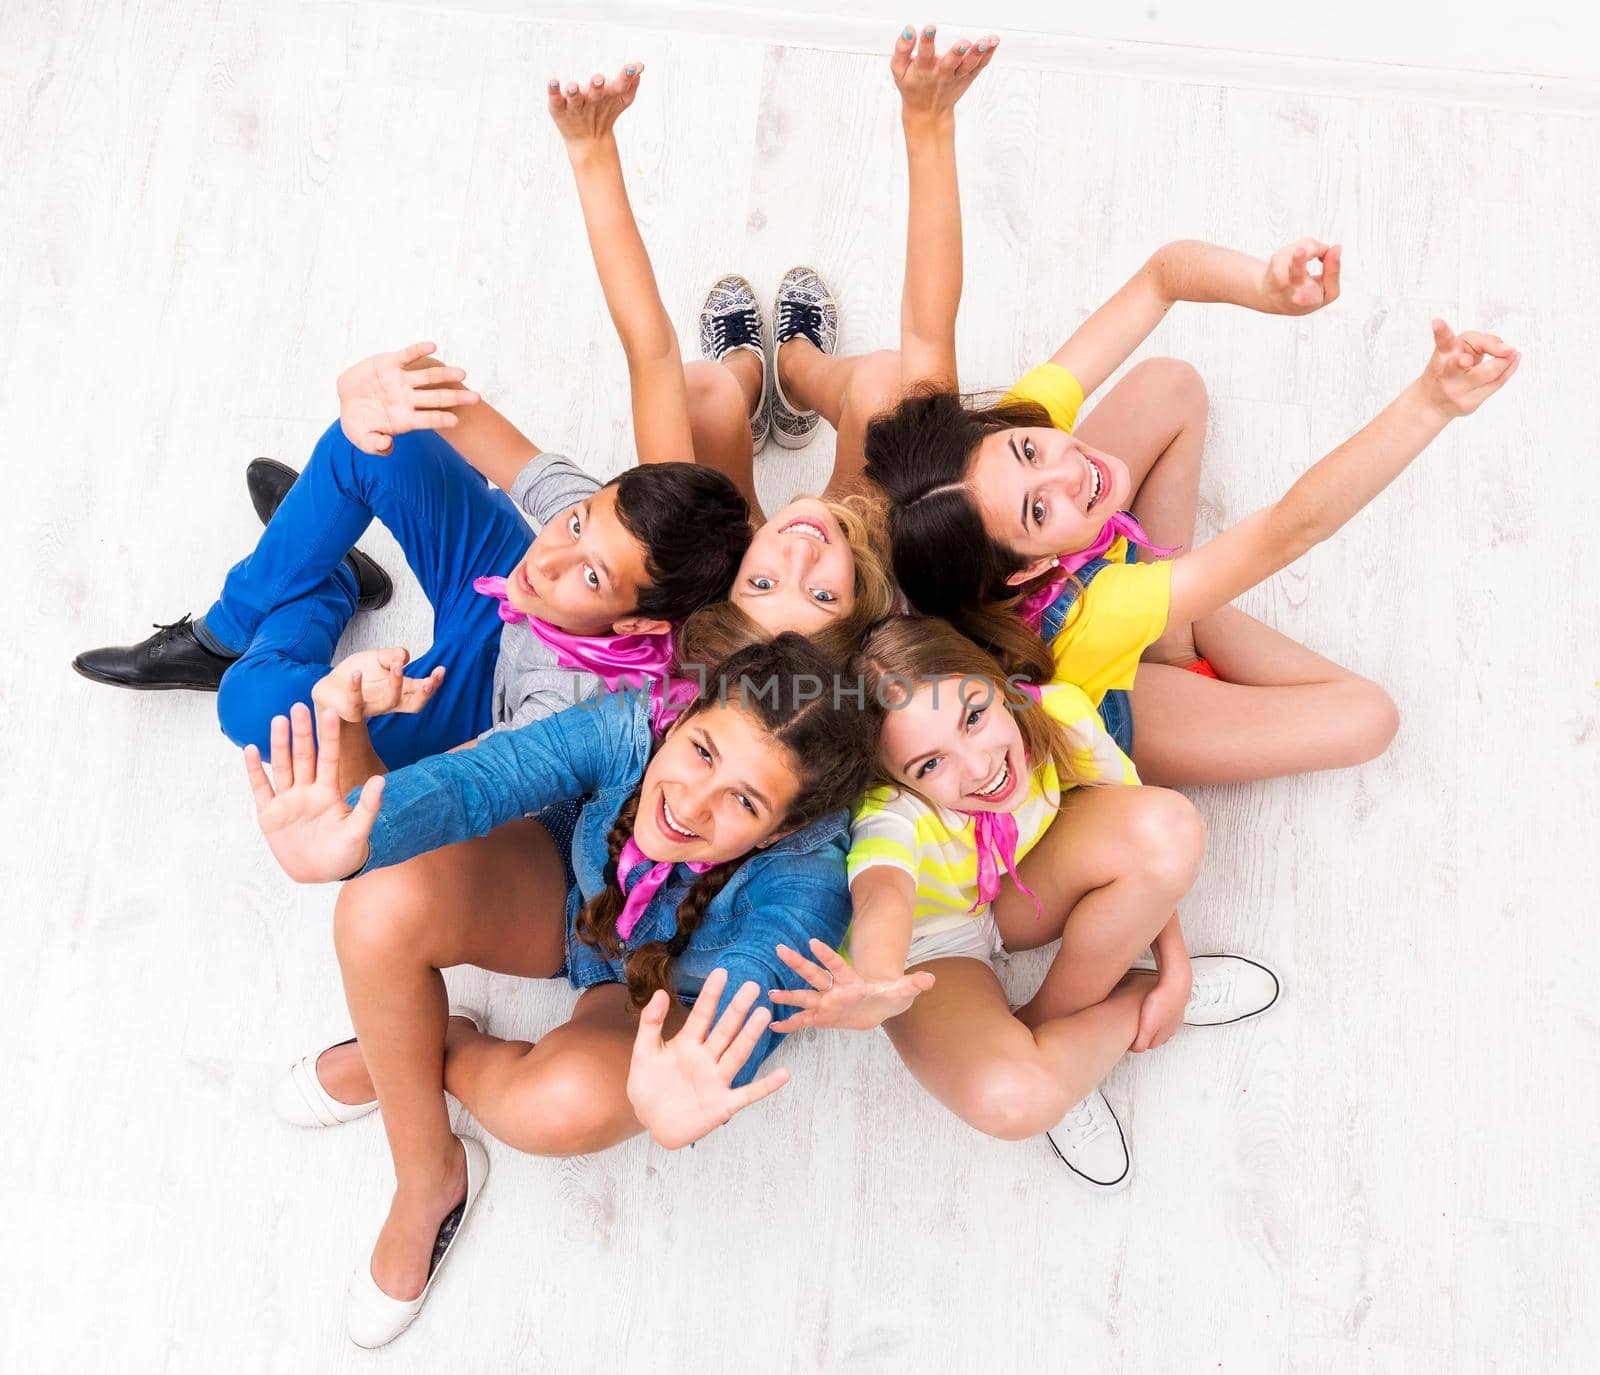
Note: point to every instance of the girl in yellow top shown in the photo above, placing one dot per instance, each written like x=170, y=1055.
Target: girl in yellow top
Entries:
x=977, y=835
x=1003, y=511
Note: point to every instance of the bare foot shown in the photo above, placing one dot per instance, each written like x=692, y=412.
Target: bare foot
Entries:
x=342, y=1071
x=403, y=1255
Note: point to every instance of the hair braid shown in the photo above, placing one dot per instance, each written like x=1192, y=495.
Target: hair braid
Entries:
x=650, y=966
x=597, y=922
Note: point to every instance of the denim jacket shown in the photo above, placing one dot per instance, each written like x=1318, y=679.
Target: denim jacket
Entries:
x=596, y=753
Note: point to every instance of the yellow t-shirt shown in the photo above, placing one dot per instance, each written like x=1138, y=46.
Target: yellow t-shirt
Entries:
x=1124, y=609
x=936, y=847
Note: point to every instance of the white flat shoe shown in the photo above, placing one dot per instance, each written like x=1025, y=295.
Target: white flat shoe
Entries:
x=1226, y=988
x=300, y=1100
x=373, y=1318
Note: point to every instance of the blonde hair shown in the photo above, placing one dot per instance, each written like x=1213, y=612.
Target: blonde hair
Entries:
x=723, y=628
x=919, y=649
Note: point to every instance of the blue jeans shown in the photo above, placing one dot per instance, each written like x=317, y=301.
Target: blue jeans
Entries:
x=284, y=607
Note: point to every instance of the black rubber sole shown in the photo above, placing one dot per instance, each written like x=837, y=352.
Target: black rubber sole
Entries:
x=109, y=681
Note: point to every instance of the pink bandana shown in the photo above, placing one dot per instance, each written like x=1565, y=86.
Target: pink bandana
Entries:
x=649, y=882
x=1031, y=608
x=628, y=661
x=996, y=837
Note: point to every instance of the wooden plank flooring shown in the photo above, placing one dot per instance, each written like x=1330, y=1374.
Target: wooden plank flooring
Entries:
x=209, y=209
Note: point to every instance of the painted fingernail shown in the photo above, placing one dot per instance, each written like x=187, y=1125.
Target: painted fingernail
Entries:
x=631, y=71
x=908, y=35
x=597, y=81
x=983, y=47
x=554, y=84
x=572, y=88
x=928, y=32
x=963, y=48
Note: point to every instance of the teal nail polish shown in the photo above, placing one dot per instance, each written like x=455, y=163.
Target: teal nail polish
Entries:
x=908, y=33
x=555, y=85
x=964, y=48
x=983, y=47
x=630, y=71
x=928, y=32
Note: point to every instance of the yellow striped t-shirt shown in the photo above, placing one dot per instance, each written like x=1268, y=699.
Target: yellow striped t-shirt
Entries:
x=936, y=847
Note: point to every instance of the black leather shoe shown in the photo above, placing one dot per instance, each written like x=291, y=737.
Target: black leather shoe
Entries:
x=171, y=658
x=269, y=482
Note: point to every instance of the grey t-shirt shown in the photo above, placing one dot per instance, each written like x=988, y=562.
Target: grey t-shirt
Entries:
x=528, y=682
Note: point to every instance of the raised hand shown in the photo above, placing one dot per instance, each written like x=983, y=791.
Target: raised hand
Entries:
x=682, y=1089
x=843, y=999
x=585, y=112
x=1288, y=286
x=379, y=397
x=372, y=683
x=1466, y=369
x=313, y=835
x=930, y=84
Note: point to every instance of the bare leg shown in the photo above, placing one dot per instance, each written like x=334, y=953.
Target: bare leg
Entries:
x=564, y=1095
x=722, y=398
x=846, y=392
x=1282, y=710
x=499, y=903
x=1108, y=875
x=963, y=1045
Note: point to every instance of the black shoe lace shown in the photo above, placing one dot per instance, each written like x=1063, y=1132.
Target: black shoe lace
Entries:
x=176, y=627
x=734, y=328
x=799, y=317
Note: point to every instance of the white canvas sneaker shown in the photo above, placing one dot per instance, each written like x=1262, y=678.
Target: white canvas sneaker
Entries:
x=1228, y=988
x=1090, y=1143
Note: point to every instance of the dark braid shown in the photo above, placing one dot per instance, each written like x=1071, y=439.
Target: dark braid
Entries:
x=830, y=746
x=597, y=922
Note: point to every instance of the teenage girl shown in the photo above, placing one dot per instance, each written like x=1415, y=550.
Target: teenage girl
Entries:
x=1003, y=507
x=693, y=856
x=977, y=838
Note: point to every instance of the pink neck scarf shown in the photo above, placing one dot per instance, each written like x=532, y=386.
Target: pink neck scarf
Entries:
x=648, y=883
x=627, y=661
x=1122, y=523
x=996, y=837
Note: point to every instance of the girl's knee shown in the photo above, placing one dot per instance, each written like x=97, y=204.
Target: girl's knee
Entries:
x=1009, y=1101
x=1371, y=720
x=379, y=915
x=564, y=1109
x=1179, y=386
x=1166, y=836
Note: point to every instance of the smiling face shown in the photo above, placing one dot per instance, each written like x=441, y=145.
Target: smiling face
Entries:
x=583, y=572
x=799, y=573
x=955, y=742
x=718, y=787
x=1043, y=493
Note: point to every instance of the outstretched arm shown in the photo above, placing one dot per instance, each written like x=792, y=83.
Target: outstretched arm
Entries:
x=1465, y=371
x=929, y=88
x=1189, y=270
x=586, y=116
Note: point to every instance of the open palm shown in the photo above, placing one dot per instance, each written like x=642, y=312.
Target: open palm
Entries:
x=312, y=834
x=841, y=998
x=682, y=1089
x=383, y=396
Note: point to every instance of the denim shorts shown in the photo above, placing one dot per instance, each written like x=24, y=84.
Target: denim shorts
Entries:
x=1116, y=714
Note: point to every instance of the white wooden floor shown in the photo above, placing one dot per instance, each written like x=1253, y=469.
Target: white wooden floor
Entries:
x=208, y=209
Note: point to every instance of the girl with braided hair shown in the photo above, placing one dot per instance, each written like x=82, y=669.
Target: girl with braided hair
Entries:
x=692, y=857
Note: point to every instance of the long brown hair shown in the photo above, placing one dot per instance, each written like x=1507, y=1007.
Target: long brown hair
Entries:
x=829, y=745
x=920, y=649
x=920, y=455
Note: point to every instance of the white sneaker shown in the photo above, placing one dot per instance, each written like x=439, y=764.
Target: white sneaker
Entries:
x=301, y=1101
x=806, y=307
x=730, y=319
x=1090, y=1143
x=374, y=1319
x=1228, y=988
